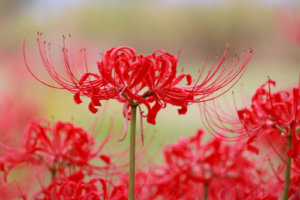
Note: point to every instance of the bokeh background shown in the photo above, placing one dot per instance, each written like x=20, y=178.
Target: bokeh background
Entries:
x=196, y=28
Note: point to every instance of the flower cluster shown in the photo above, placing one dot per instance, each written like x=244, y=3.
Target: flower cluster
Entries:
x=134, y=79
x=214, y=169
x=192, y=169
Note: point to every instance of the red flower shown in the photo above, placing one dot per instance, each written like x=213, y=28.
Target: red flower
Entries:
x=74, y=187
x=134, y=79
x=63, y=146
x=271, y=117
x=120, y=190
x=279, y=110
x=192, y=167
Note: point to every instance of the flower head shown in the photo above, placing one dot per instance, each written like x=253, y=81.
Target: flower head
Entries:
x=74, y=187
x=279, y=112
x=63, y=146
x=134, y=79
x=272, y=116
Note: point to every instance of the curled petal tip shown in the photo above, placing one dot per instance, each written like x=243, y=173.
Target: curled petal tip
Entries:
x=96, y=102
x=182, y=110
x=76, y=98
x=106, y=159
x=92, y=108
x=189, y=79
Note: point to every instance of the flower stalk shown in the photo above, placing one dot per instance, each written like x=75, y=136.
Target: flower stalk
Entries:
x=205, y=196
x=288, y=167
x=132, y=152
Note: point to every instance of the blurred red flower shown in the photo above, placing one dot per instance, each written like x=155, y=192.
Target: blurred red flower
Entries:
x=271, y=117
x=58, y=148
x=74, y=187
x=194, y=169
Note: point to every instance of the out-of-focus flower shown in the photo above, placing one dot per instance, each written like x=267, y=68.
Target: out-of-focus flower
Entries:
x=271, y=117
x=142, y=188
x=279, y=110
x=134, y=79
x=194, y=169
x=74, y=187
x=58, y=148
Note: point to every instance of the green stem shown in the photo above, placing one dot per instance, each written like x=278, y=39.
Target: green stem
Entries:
x=132, y=153
x=205, y=196
x=53, y=174
x=288, y=167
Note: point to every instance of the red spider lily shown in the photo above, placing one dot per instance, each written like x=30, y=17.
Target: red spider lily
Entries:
x=279, y=110
x=134, y=79
x=74, y=187
x=193, y=168
x=63, y=146
x=271, y=116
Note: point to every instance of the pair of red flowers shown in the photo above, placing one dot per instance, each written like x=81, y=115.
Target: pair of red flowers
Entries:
x=150, y=80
